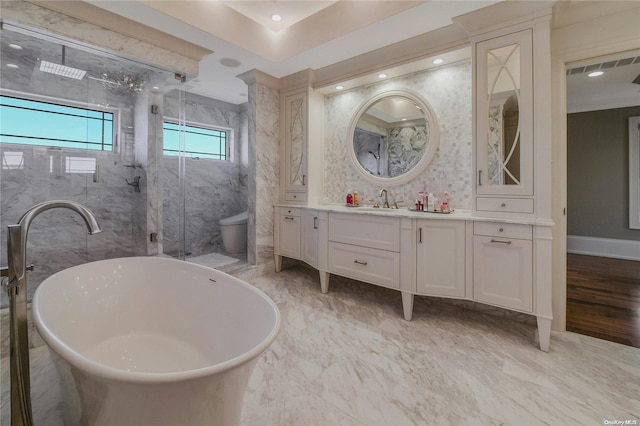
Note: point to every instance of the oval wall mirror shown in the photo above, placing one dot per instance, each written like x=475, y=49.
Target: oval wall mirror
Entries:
x=394, y=137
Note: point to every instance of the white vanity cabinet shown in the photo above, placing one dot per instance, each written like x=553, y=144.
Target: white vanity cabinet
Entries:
x=440, y=258
x=365, y=247
x=460, y=256
x=287, y=234
x=503, y=265
x=310, y=234
x=504, y=131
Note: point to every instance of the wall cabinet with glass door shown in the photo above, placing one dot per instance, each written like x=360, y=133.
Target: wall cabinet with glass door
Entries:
x=504, y=123
x=295, y=123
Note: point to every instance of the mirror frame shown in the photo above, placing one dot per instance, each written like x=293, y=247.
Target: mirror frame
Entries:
x=427, y=157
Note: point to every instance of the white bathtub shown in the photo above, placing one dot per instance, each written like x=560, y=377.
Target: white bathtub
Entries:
x=153, y=341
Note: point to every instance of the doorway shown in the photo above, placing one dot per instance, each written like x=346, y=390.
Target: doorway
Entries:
x=603, y=260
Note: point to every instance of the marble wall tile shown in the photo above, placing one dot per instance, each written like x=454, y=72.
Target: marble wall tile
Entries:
x=263, y=115
x=448, y=90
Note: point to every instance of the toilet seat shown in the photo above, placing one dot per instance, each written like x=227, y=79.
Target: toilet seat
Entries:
x=239, y=219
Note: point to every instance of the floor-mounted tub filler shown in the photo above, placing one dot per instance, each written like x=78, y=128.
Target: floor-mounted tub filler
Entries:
x=153, y=341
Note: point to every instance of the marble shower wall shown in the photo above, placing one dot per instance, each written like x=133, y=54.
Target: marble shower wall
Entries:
x=58, y=238
x=214, y=189
x=448, y=90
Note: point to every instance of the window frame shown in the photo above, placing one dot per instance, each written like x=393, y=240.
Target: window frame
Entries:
x=115, y=143
x=229, y=138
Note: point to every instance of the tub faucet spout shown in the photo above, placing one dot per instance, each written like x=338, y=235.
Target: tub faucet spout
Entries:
x=17, y=291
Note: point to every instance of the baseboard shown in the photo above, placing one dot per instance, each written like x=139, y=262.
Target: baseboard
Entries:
x=604, y=247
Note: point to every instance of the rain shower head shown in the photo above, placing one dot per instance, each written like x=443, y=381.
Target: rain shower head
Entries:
x=62, y=69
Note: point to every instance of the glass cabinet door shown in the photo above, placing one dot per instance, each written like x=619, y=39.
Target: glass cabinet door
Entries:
x=296, y=143
x=504, y=115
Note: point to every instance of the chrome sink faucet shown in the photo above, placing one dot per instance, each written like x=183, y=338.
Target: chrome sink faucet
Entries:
x=17, y=291
x=386, y=198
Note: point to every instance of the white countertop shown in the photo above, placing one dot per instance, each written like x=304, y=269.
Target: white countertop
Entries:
x=406, y=212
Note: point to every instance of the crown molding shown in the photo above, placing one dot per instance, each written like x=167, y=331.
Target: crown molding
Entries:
x=258, y=77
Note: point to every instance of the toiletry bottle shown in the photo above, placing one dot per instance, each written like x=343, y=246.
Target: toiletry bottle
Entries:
x=349, y=198
x=431, y=202
x=355, y=198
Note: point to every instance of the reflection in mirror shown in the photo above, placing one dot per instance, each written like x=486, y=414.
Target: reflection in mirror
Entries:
x=391, y=137
x=503, y=159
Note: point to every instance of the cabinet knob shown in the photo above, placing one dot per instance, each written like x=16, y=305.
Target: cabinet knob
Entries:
x=295, y=196
x=503, y=204
x=501, y=230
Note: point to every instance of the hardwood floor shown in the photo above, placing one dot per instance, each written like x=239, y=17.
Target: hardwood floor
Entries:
x=603, y=298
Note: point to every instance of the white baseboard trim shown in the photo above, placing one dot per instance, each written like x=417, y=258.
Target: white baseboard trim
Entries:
x=604, y=247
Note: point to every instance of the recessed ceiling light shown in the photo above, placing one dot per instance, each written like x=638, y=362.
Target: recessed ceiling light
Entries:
x=339, y=87
x=382, y=75
x=276, y=18
x=15, y=46
x=12, y=65
x=595, y=74
x=438, y=61
x=156, y=88
x=404, y=119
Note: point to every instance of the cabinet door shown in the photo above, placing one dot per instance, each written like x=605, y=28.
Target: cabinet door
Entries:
x=310, y=237
x=290, y=238
x=502, y=272
x=295, y=137
x=504, y=115
x=441, y=258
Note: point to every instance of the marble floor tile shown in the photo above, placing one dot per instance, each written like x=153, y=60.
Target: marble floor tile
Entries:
x=349, y=358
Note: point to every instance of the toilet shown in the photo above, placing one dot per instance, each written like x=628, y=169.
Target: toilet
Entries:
x=234, y=233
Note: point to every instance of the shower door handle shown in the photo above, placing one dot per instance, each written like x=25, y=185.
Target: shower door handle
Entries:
x=315, y=222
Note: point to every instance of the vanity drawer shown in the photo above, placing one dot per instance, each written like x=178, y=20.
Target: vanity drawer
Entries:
x=510, y=205
x=374, y=266
x=504, y=230
x=295, y=196
x=290, y=211
x=365, y=230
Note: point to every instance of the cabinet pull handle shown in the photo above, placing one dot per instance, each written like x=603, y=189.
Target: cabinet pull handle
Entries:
x=479, y=177
x=289, y=218
x=420, y=235
x=501, y=242
x=304, y=180
x=360, y=262
x=315, y=222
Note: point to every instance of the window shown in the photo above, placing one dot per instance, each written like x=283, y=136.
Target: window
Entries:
x=200, y=141
x=34, y=122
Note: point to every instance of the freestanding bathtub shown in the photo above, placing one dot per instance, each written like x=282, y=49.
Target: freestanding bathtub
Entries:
x=153, y=341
